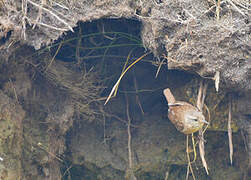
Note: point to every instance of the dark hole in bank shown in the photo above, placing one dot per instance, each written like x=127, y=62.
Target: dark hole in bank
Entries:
x=5, y=38
x=106, y=46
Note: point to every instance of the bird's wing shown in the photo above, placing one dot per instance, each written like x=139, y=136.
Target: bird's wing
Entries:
x=176, y=104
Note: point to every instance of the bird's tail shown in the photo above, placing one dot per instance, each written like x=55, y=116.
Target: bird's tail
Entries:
x=169, y=96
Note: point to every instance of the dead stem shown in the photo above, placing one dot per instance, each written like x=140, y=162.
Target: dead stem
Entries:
x=236, y=8
x=218, y=10
x=137, y=95
x=209, y=118
x=130, y=169
x=14, y=90
x=41, y=146
x=202, y=150
x=217, y=80
x=166, y=175
x=189, y=166
x=52, y=59
x=67, y=171
x=104, y=125
x=200, y=103
x=79, y=44
x=39, y=16
x=24, y=12
x=50, y=12
x=244, y=137
x=229, y=130
x=204, y=92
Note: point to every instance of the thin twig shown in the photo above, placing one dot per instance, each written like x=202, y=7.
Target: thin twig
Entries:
x=218, y=10
x=52, y=13
x=52, y=59
x=244, y=140
x=129, y=136
x=41, y=146
x=229, y=130
x=60, y=5
x=79, y=44
x=187, y=175
x=14, y=89
x=40, y=11
x=235, y=7
x=120, y=119
x=166, y=175
x=137, y=95
x=189, y=161
x=68, y=170
x=243, y=6
x=47, y=25
x=24, y=12
x=131, y=174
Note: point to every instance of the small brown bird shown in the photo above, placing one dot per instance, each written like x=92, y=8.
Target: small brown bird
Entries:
x=186, y=117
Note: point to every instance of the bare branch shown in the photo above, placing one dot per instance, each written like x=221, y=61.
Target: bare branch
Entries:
x=52, y=13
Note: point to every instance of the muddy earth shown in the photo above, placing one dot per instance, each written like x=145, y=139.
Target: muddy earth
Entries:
x=59, y=61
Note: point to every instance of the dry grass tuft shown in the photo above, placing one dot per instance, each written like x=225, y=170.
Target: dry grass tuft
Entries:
x=83, y=87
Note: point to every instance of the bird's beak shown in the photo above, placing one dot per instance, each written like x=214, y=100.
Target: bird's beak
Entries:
x=204, y=121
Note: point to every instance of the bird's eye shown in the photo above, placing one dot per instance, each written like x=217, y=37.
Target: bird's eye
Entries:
x=193, y=118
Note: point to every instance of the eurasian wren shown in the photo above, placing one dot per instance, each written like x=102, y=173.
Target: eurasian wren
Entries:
x=186, y=117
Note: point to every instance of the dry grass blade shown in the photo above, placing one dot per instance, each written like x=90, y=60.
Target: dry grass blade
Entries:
x=52, y=59
x=209, y=118
x=121, y=76
x=217, y=80
x=202, y=151
x=123, y=69
x=159, y=67
x=229, y=130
